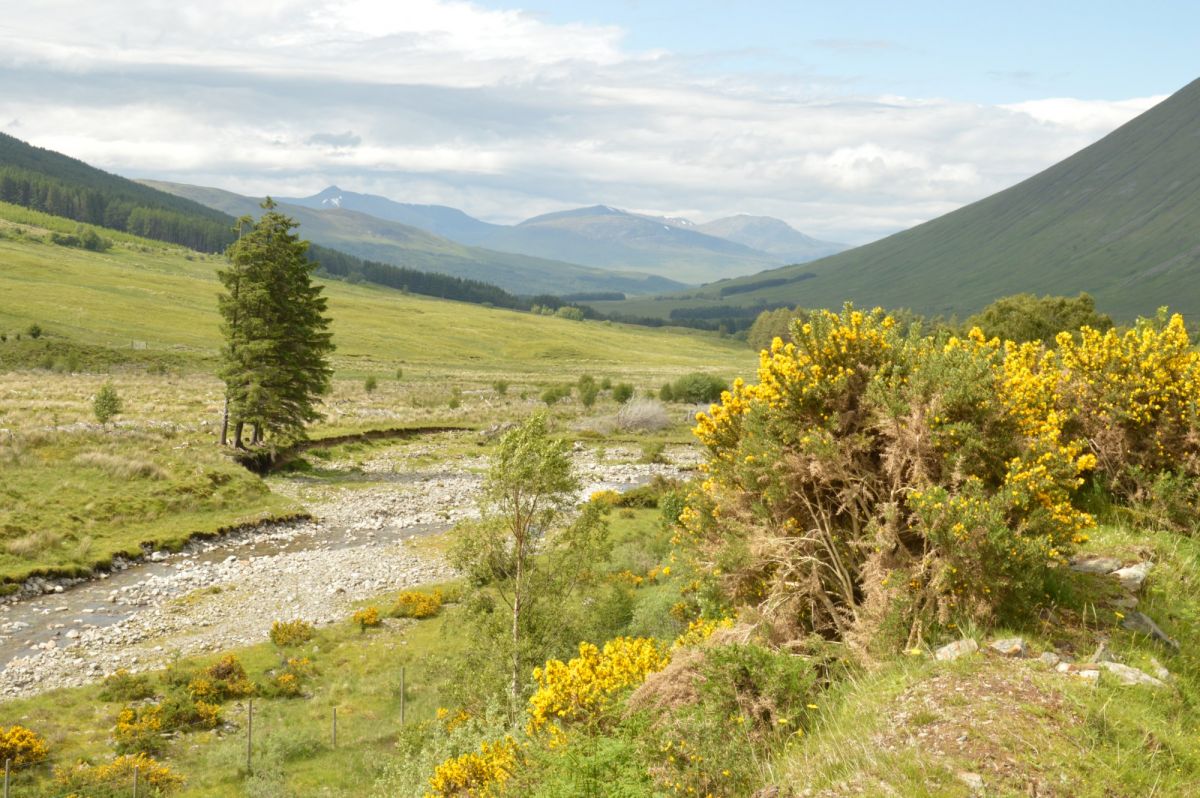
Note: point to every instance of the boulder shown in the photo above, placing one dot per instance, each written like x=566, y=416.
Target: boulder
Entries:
x=1095, y=565
x=1131, y=676
x=1142, y=624
x=1133, y=576
x=952, y=651
x=1009, y=646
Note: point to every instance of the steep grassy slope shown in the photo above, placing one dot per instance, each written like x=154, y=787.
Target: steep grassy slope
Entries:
x=403, y=245
x=50, y=181
x=1119, y=219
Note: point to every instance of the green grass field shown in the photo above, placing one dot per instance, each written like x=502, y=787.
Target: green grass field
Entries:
x=146, y=294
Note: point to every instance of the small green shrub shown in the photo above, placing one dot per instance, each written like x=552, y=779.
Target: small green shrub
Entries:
x=34, y=331
x=500, y=387
x=555, y=394
x=588, y=393
x=652, y=452
x=622, y=392
x=370, y=384
x=125, y=686
x=697, y=388
x=107, y=403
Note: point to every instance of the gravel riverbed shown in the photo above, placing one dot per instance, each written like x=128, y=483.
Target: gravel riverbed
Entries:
x=222, y=593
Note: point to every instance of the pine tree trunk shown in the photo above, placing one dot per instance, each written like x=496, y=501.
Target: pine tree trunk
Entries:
x=225, y=421
x=237, y=434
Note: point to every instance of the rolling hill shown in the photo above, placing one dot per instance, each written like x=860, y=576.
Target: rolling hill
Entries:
x=49, y=181
x=773, y=236
x=1120, y=219
x=400, y=244
x=162, y=299
x=605, y=237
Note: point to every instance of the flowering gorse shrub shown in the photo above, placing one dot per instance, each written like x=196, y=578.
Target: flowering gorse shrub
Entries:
x=476, y=774
x=874, y=476
x=223, y=680
x=116, y=778
x=580, y=689
x=23, y=746
x=417, y=604
x=139, y=729
x=291, y=633
x=368, y=616
x=287, y=682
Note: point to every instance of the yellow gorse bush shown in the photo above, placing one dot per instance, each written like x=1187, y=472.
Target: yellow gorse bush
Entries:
x=117, y=776
x=700, y=630
x=139, y=729
x=368, y=616
x=292, y=633
x=23, y=746
x=581, y=688
x=418, y=604
x=872, y=469
x=476, y=774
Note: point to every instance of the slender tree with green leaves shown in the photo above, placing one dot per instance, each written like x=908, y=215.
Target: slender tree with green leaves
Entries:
x=521, y=557
x=275, y=361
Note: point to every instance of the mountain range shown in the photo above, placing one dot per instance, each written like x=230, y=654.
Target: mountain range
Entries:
x=387, y=241
x=1119, y=219
x=604, y=237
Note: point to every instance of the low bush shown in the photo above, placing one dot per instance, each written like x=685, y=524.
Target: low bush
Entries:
x=642, y=415
x=695, y=388
x=287, y=682
x=555, y=394
x=221, y=681
x=622, y=392
x=717, y=712
x=292, y=633
x=417, y=604
x=115, y=779
x=369, y=616
x=23, y=746
x=107, y=403
x=139, y=729
x=125, y=686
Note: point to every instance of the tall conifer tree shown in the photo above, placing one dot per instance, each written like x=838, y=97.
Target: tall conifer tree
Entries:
x=275, y=362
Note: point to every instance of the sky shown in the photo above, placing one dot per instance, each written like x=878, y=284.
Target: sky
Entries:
x=848, y=120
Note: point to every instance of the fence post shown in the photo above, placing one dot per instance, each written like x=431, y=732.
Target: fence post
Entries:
x=249, y=730
x=135, y=781
x=335, y=727
x=402, y=691
x=7, y=768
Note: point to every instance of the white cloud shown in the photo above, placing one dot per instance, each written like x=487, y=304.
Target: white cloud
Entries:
x=500, y=113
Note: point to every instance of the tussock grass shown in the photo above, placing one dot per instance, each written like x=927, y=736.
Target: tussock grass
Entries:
x=121, y=467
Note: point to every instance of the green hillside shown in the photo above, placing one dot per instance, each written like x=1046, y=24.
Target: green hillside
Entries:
x=1119, y=219
x=403, y=245
x=144, y=294
x=49, y=181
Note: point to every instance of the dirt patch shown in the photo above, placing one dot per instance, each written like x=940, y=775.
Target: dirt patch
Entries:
x=995, y=722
